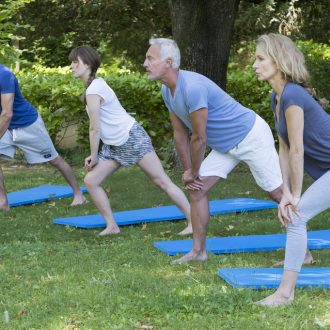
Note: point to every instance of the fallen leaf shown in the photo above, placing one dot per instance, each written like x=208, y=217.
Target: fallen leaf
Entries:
x=230, y=227
x=141, y=325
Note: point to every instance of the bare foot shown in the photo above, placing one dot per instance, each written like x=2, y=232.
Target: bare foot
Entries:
x=274, y=300
x=187, y=231
x=78, y=200
x=110, y=230
x=191, y=256
x=4, y=207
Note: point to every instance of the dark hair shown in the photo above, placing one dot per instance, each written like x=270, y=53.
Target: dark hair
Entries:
x=89, y=56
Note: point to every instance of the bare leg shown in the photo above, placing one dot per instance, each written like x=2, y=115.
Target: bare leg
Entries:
x=60, y=164
x=93, y=181
x=200, y=220
x=285, y=293
x=4, y=206
x=276, y=194
x=152, y=166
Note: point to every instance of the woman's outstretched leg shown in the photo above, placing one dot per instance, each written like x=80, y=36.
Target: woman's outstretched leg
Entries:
x=151, y=165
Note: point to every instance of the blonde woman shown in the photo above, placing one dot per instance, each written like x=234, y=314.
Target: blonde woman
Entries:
x=304, y=139
x=125, y=142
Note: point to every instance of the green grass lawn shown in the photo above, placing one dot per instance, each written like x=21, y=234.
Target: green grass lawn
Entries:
x=57, y=277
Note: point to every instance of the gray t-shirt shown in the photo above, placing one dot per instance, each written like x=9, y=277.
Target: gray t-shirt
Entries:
x=316, y=128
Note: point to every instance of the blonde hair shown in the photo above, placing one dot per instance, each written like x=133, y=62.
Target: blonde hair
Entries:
x=287, y=56
x=290, y=61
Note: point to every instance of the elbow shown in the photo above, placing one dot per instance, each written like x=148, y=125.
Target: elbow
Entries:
x=94, y=130
x=6, y=116
x=296, y=153
x=199, y=139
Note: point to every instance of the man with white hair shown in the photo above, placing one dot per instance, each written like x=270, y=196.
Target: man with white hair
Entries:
x=203, y=114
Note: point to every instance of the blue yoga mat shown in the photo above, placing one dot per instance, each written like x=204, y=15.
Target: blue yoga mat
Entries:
x=39, y=194
x=269, y=278
x=319, y=239
x=163, y=213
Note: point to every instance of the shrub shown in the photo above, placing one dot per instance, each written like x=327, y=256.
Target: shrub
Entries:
x=57, y=95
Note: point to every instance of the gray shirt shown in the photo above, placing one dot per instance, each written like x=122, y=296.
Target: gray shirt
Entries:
x=316, y=128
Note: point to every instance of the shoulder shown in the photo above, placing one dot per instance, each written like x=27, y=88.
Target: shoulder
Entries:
x=293, y=90
x=96, y=85
x=6, y=73
x=193, y=82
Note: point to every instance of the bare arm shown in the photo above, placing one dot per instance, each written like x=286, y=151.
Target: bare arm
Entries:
x=181, y=141
x=295, y=124
x=93, y=104
x=7, y=102
x=292, y=164
x=198, y=139
x=285, y=167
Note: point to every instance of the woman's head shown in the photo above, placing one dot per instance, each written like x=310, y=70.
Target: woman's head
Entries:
x=86, y=56
x=286, y=56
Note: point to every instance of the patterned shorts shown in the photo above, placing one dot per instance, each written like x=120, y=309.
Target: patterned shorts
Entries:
x=132, y=151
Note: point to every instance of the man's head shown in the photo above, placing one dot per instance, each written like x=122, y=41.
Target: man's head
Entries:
x=162, y=55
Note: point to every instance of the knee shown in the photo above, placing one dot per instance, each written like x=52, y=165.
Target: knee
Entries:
x=56, y=161
x=89, y=181
x=276, y=194
x=162, y=183
x=197, y=195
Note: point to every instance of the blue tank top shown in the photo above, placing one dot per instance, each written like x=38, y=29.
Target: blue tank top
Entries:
x=228, y=122
x=24, y=114
x=316, y=128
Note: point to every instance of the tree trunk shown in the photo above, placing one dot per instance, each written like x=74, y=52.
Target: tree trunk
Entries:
x=203, y=30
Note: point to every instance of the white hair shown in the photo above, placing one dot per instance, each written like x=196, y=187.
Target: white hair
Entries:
x=168, y=50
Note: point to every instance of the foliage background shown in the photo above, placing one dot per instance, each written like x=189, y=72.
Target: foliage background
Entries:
x=36, y=37
x=58, y=96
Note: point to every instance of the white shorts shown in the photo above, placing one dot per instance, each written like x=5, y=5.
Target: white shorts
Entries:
x=257, y=150
x=33, y=140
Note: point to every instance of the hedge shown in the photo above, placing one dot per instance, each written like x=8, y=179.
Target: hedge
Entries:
x=57, y=95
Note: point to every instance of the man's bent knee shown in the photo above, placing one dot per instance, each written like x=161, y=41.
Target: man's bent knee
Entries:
x=197, y=195
x=276, y=194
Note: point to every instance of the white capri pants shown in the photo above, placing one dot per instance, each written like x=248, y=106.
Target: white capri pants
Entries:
x=314, y=200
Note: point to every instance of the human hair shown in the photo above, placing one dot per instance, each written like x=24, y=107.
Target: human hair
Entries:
x=168, y=50
x=289, y=59
x=286, y=55
x=89, y=56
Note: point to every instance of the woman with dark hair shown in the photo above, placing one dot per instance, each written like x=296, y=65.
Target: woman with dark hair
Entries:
x=303, y=129
x=125, y=142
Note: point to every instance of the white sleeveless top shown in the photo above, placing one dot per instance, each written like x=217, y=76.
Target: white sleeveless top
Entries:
x=115, y=122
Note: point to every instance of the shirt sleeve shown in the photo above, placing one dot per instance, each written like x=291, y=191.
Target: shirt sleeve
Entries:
x=7, y=82
x=165, y=91
x=97, y=87
x=196, y=97
x=292, y=95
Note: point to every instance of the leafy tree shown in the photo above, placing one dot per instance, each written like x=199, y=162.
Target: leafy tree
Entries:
x=8, y=30
x=117, y=28
x=300, y=19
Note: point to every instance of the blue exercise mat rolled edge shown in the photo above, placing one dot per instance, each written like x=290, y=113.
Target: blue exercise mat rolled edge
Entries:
x=163, y=213
x=319, y=239
x=269, y=278
x=39, y=194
